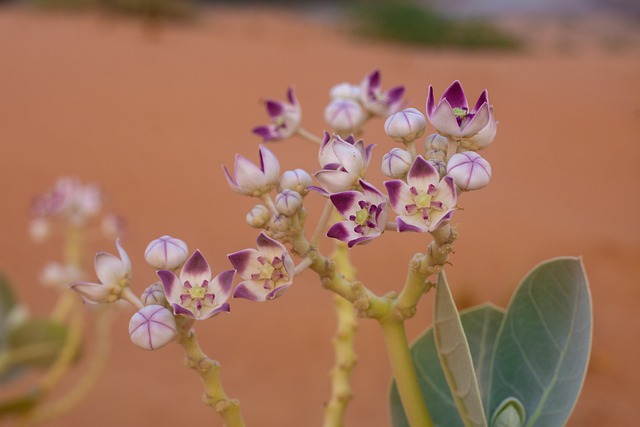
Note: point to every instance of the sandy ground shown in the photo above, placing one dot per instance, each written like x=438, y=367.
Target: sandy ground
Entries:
x=151, y=113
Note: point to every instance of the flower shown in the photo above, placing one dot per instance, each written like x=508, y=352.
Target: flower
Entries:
x=396, y=163
x=166, y=253
x=343, y=161
x=55, y=274
x=469, y=170
x=345, y=115
x=376, y=101
x=452, y=117
x=114, y=275
x=405, y=126
x=267, y=271
x=152, y=327
x=365, y=214
x=424, y=202
x=286, y=117
x=196, y=294
x=251, y=180
x=69, y=199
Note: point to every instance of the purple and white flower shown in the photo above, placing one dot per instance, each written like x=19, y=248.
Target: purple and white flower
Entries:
x=424, y=202
x=375, y=100
x=252, y=180
x=152, y=327
x=469, y=170
x=195, y=293
x=286, y=118
x=267, y=271
x=343, y=161
x=69, y=199
x=345, y=115
x=114, y=275
x=365, y=215
x=166, y=253
x=453, y=118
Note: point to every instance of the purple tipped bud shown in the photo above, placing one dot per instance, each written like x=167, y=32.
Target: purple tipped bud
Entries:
x=469, y=170
x=288, y=202
x=396, y=163
x=297, y=180
x=435, y=141
x=166, y=253
x=345, y=115
x=405, y=126
x=152, y=327
x=154, y=295
x=258, y=217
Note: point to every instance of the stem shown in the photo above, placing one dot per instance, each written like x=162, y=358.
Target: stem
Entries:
x=343, y=343
x=209, y=372
x=452, y=148
x=404, y=372
x=322, y=224
x=309, y=136
x=129, y=296
x=304, y=264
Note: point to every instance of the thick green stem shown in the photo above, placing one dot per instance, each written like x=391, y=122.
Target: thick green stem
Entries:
x=209, y=372
x=404, y=372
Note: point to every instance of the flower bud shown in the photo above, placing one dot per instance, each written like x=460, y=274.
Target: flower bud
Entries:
x=259, y=216
x=396, y=163
x=435, y=155
x=405, y=126
x=297, y=180
x=166, y=253
x=345, y=90
x=288, y=202
x=435, y=141
x=345, y=115
x=152, y=327
x=440, y=166
x=154, y=295
x=469, y=170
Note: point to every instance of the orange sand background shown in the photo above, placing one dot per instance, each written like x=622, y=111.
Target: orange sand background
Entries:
x=150, y=113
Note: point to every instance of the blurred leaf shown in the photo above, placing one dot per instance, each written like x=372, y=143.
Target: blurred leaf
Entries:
x=481, y=325
x=455, y=357
x=544, y=342
x=36, y=342
x=7, y=302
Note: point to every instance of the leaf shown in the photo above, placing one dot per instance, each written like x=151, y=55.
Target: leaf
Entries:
x=543, y=345
x=37, y=342
x=455, y=357
x=481, y=325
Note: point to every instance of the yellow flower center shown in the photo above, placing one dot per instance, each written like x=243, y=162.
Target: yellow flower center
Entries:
x=423, y=200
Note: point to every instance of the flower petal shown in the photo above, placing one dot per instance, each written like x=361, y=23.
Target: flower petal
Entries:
x=334, y=181
x=411, y=223
x=207, y=312
x=444, y=119
x=92, y=293
x=399, y=195
x=346, y=203
x=173, y=288
x=455, y=96
x=250, y=290
x=478, y=122
x=245, y=262
x=109, y=268
x=222, y=284
x=196, y=269
x=269, y=247
x=269, y=164
x=422, y=174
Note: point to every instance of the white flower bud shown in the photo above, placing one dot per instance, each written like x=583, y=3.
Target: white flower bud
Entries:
x=345, y=115
x=435, y=155
x=435, y=141
x=166, y=253
x=396, y=163
x=469, y=170
x=39, y=229
x=288, y=202
x=297, y=180
x=154, y=295
x=152, y=327
x=440, y=166
x=259, y=216
x=345, y=90
x=405, y=126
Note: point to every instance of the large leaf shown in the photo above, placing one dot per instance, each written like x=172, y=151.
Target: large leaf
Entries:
x=455, y=357
x=481, y=325
x=37, y=342
x=543, y=344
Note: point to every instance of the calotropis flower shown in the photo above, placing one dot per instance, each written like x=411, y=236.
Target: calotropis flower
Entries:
x=365, y=215
x=343, y=161
x=452, y=117
x=69, y=199
x=114, y=275
x=286, y=117
x=251, y=180
x=375, y=100
x=195, y=293
x=424, y=202
x=267, y=271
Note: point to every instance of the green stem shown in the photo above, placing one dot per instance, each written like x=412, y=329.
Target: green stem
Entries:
x=404, y=372
x=209, y=372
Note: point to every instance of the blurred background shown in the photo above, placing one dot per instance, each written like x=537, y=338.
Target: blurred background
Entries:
x=148, y=98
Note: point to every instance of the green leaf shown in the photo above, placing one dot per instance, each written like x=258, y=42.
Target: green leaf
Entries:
x=36, y=342
x=510, y=413
x=481, y=325
x=7, y=303
x=543, y=345
x=455, y=357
